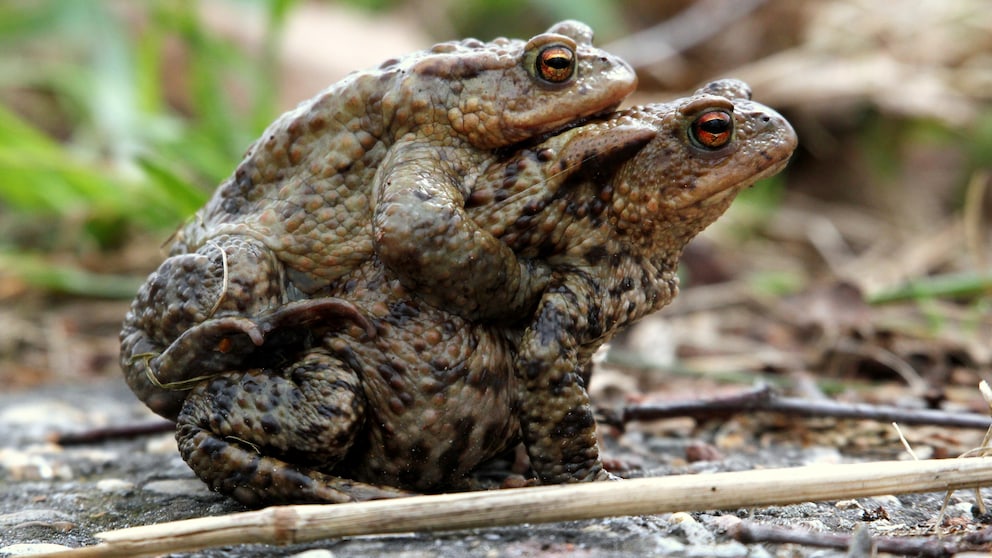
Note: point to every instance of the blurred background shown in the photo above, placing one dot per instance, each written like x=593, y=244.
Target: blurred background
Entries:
x=869, y=257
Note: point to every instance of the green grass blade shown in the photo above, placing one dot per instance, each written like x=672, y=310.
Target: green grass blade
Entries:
x=37, y=272
x=956, y=285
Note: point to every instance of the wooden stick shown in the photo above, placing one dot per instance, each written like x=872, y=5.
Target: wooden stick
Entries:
x=115, y=432
x=446, y=512
x=766, y=400
x=748, y=532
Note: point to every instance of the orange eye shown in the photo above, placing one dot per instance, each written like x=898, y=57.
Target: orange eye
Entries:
x=556, y=63
x=712, y=130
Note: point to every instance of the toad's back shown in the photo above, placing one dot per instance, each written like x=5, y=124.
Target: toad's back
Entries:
x=306, y=188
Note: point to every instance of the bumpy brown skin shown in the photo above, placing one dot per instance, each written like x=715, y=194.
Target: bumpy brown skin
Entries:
x=371, y=168
x=413, y=396
x=612, y=226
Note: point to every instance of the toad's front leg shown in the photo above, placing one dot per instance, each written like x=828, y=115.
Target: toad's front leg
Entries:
x=559, y=429
x=423, y=234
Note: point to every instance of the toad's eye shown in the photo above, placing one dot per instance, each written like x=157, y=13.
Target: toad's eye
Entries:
x=556, y=63
x=712, y=130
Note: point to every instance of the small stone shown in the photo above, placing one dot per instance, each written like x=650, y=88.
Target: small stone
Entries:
x=114, y=485
x=758, y=552
x=847, y=505
x=315, y=553
x=42, y=515
x=699, y=451
x=822, y=456
x=27, y=549
x=44, y=416
x=694, y=532
x=100, y=456
x=668, y=546
x=162, y=444
x=653, y=340
x=177, y=487
x=33, y=464
x=722, y=523
x=963, y=508
x=732, y=549
x=680, y=517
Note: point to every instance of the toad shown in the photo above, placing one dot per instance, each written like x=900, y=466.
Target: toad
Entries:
x=609, y=206
x=371, y=167
x=368, y=388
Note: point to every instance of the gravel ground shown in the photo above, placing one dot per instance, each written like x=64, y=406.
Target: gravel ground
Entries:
x=53, y=495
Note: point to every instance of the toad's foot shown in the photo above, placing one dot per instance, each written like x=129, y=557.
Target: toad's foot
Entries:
x=238, y=470
x=274, y=436
x=235, y=343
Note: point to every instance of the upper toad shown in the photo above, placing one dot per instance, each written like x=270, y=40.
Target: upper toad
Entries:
x=368, y=168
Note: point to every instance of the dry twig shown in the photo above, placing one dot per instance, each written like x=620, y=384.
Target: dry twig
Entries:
x=446, y=512
x=747, y=532
x=764, y=399
x=103, y=434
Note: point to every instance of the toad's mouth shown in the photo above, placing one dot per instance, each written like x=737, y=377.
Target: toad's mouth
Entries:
x=720, y=192
x=601, y=116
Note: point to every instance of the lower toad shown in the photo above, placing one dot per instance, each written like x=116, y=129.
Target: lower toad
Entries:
x=365, y=390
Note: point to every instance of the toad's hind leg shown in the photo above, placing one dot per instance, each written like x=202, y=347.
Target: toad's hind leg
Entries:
x=224, y=307
x=265, y=436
